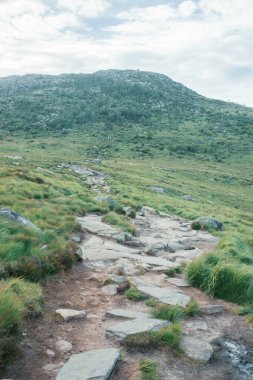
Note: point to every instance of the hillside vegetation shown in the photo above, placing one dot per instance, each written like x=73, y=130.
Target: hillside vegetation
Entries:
x=150, y=132
x=140, y=113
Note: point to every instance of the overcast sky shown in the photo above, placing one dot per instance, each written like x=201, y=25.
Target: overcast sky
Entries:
x=205, y=44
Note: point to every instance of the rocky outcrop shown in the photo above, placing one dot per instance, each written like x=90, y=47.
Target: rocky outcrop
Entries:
x=13, y=216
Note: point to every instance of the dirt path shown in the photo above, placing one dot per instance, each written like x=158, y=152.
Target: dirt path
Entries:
x=81, y=289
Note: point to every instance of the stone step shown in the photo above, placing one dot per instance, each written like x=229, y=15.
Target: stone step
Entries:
x=97, y=364
x=196, y=349
x=164, y=295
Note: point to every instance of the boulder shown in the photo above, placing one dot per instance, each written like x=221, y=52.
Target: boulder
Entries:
x=110, y=290
x=174, y=247
x=91, y=365
x=154, y=248
x=13, y=216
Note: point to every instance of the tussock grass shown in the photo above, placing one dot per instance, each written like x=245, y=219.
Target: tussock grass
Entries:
x=120, y=221
x=169, y=336
x=169, y=313
x=134, y=294
x=148, y=369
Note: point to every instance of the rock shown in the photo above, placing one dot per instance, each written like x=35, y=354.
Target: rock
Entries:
x=194, y=325
x=122, y=330
x=13, y=216
x=98, y=249
x=96, y=161
x=68, y=314
x=51, y=369
x=91, y=365
x=188, y=197
x=76, y=239
x=196, y=349
x=50, y=353
x=160, y=269
x=128, y=210
x=164, y=295
x=94, y=224
x=180, y=282
x=128, y=314
x=145, y=210
x=63, y=346
x=157, y=189
x=174, y=247
x=211, y=309
x=205, y=222
x=157, y=261
x=154, y=248
x=134, y=243
x=110, y=290
x=116, y=279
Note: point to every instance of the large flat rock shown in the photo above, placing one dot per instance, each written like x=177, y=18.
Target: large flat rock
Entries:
x=122, y=330
x=164, y=295
x=157, y=261
x=92, y=365
x=94, y=224
x=98, y=249
x=128, y=314
x=196, y=349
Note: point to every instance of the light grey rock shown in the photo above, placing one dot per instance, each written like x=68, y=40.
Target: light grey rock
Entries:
x=91, y=365
x=69, y=314
x=128, y=210
x=98, y=249
x=174, y=247
x=128, y=314
x=110, y=290
x=134, y=243
x=194, y=325
x=117, y=279
x=205, y=222
x=96, y=161
x=51, y=369
x=154, y=248
x=180, y=282
x=50, y=353
x=196, y=349
x=157, y=261
x=157, y=189
x=94, y=224
x=211, y=309
x=188, y=197
x=63, y=346
x=122, y=330
x=160, y=269
x=13, y=216
x=164, y=295
x=76, y=239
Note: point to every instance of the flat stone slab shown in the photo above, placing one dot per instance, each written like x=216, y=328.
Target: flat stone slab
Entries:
x=128, y=314
x=94, y=224
x=196, y=349
x=69, y=314
x=157, y=261
x=164, y=295
x=122, y=330
x=180, y=282
x=98, y=249
x=211, y=309
x=91, y=365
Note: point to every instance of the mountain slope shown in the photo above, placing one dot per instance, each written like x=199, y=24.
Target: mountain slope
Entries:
x=147, y=111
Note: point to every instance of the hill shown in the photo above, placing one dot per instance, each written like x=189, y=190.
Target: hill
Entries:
x=142, y=114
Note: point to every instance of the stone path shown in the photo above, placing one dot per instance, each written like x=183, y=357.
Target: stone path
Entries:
x=92, y=316
x=163, y=242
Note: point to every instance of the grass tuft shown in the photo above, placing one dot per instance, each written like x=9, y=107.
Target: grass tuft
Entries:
x=134, y=294
x=148, y=369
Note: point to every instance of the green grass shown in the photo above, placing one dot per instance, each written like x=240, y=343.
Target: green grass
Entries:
x=134, y=294
x=148, y=369
x=248, y=312
x=169, y=337
x=168, y=313
x=120, y=221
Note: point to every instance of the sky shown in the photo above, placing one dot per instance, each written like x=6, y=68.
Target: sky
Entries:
x=205, y=44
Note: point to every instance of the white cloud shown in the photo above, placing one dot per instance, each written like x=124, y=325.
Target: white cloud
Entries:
x=205, y=44
x=85, y=8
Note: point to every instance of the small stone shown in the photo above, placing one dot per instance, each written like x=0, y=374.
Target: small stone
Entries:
x=68, y=314
x=211, y=309
x=76, y=239
x=50, y=353
x=51, y=369
x=154, y=248
x=110, y=290
x=63, y=346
